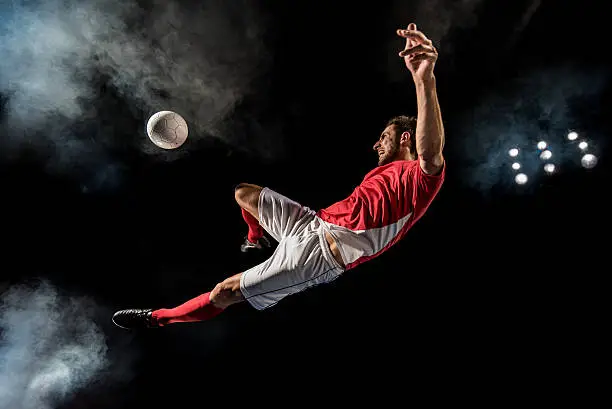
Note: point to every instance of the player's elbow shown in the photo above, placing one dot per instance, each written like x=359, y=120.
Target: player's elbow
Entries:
x=432, y=164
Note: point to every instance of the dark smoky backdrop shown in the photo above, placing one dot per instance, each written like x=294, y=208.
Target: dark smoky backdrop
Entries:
x=498, y=290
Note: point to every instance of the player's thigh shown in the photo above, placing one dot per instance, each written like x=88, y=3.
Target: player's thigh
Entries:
x=281, y=216
x=298, y=263
x=247, y=197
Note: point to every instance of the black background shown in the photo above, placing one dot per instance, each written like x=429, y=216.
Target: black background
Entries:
x=495, y=292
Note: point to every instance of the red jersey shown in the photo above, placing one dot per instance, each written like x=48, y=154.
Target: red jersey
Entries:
x=379, y=212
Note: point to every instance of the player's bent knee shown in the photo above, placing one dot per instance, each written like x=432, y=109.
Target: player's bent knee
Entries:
x=247, y=196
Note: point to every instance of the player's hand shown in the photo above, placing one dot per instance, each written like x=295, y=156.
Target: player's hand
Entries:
x=419, y=55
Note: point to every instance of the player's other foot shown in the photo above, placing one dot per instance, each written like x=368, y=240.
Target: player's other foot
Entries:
x=134, y=318
x=262, y=243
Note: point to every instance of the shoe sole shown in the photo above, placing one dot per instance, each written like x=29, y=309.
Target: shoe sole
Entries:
x=129, y=329
x=120, y=326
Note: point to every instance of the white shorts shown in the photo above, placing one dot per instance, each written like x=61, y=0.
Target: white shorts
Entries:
x=302, y=258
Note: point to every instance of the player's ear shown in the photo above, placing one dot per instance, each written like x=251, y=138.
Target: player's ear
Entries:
x=405, y=138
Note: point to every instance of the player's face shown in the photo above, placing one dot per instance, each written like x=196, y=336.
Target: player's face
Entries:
x=388, y=146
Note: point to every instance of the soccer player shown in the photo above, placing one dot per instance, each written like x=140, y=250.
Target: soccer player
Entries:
x=316, y=247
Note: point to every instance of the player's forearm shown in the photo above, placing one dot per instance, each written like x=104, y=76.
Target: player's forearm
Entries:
x=429, y=129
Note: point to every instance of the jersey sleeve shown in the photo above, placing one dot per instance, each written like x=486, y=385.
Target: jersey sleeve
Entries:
x=425, y=188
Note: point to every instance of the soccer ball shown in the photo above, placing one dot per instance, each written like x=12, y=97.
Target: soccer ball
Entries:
x=167, y=129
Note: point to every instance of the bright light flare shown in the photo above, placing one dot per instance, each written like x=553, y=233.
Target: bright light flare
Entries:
x=549, y=168
x=542, y=145
x=572, y=136
x=516, y=166
x=545, y=155
x=521, y=179
x=513, y=152
x=583, y=145
x=588, y=161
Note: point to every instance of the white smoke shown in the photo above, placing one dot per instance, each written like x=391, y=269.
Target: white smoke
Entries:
x=50, y=347
x=60, y=58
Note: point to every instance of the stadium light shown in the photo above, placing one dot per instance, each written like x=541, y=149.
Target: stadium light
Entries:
x=521, y=179
x=549, y=168
x=545, y=155
x=589, y=161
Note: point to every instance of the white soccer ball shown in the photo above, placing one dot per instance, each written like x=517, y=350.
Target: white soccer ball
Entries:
x=167, y=129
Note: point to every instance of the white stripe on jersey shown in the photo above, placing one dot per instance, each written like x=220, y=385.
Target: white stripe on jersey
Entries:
x=354, y=244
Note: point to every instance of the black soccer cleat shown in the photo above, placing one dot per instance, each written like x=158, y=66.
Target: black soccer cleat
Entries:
x=247, y=246
x=134, y=319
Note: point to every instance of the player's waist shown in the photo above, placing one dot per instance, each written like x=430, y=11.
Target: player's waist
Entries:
x=355, y=244
x=334, y=248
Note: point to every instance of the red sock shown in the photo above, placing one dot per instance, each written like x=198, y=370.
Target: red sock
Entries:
x=196, y=309
x=255, y=230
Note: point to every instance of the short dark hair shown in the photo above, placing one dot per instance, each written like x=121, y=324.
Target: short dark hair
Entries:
x=403, y=124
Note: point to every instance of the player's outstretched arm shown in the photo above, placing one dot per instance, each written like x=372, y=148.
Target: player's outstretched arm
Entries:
x=420, y=57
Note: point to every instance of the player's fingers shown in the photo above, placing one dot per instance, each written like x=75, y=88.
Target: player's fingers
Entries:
x=414, y=35
x=421, y=48
x=409, y=42
x=423, y=57
x=400, y=31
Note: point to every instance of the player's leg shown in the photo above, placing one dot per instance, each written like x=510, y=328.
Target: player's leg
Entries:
x=201, y=308
x=269, y=211
x=247, y=197
x=227, y=292
x=302, y=259
x=205, y=306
